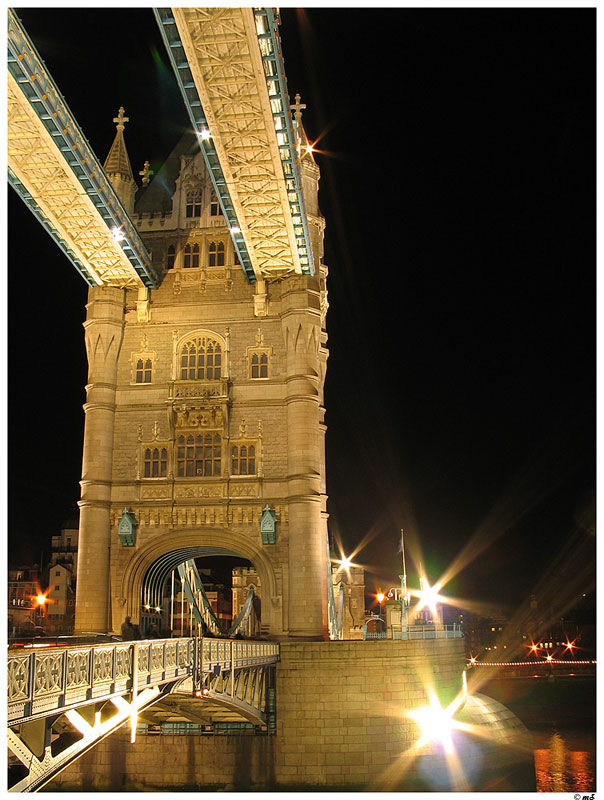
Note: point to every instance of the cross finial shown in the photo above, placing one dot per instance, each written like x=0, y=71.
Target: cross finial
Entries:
x=297, y=108
x=121, y=119
x=146, y=173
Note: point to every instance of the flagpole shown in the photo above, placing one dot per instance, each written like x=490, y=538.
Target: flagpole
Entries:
x=403, y=582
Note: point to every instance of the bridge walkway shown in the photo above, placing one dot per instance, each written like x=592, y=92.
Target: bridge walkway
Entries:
x=64, y=700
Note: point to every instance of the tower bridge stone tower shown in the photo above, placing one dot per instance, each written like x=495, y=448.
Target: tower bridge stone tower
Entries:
x=204, y=405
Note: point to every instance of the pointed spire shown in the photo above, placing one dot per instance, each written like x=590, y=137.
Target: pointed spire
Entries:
x=117, y=165
x=304, y=146
x=117, y=162
x=298, y=108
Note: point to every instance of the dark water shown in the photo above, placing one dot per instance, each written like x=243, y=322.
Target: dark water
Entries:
x=560, y=713
x=565, y=760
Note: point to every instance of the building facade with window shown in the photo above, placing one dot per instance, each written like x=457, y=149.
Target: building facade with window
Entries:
x=205, y=405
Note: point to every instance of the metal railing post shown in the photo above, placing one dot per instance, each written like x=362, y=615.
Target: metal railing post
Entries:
x=133, y=714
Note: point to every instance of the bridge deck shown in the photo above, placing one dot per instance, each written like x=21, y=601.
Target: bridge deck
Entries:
x=63, y=700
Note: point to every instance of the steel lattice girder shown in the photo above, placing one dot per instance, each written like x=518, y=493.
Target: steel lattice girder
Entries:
x=230, y=69
x=35, y=750
x=55, y=172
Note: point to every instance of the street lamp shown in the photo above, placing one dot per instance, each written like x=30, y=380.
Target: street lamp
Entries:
x=380, y=598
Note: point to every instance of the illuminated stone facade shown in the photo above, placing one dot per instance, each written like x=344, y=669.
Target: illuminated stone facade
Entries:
x=205, y=405
x=341, y=723
x=349, y=593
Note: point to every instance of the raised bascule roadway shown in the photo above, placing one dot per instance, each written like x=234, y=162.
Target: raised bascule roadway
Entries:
x=205, y=436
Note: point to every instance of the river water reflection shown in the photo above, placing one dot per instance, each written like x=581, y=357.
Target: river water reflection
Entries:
x=565, y=760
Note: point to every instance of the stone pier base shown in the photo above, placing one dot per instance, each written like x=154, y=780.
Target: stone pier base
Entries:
x=341, y=723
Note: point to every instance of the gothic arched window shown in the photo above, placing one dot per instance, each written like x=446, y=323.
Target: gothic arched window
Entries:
x=193, y=207
x=216, y=253
x=243, y=460
x=144, y=369
x=200, y=359
x=259, y=365
x=156, y=461
x=198, y=455
x=215, y=209
x=191, y=256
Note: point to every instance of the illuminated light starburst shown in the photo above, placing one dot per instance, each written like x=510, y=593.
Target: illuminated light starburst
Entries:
x=345, y=564
x=429, y=597
x=436, y=723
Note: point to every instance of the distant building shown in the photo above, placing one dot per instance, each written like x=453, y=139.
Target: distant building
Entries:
x=219, y=597
x=181, y=621
x=65, y=547
x=242, y=579
x=24, y=612
x=60, y=598
x=348, y=584
x=60, y=577
x=349, y=596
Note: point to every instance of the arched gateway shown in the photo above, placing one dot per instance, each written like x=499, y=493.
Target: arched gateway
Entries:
x=204, y=409
x=180, y=545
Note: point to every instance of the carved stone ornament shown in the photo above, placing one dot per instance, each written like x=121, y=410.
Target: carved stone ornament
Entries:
x=206, y=417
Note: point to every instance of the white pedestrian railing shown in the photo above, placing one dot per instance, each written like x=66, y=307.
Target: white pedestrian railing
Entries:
x=426, y=632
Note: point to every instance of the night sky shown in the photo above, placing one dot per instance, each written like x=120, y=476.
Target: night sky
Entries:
x=457, y=152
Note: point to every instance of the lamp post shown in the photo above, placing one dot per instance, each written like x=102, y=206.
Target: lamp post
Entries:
x=380, y=599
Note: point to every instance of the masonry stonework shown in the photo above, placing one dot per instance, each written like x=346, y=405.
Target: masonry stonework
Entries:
x=161, y=434
x=341, y=722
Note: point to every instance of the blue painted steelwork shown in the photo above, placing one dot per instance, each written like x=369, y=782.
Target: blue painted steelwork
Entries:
x=246, y=610
x=267, y=27
x=193, y=586
x=180, y=65
x=36, y=83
